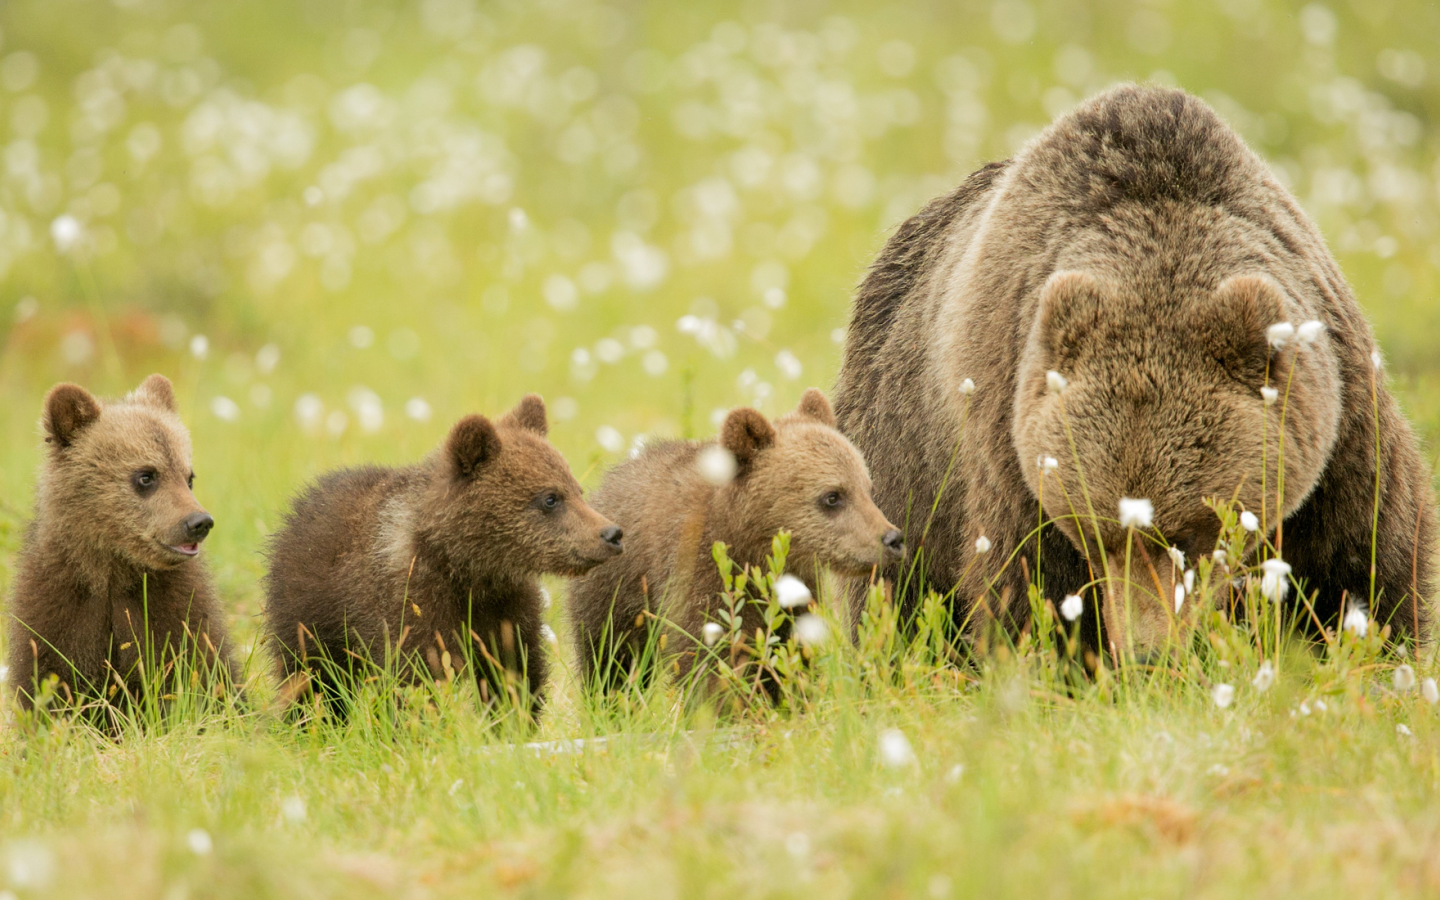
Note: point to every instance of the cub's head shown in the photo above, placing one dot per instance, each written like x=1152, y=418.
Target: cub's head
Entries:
x=118, y=478
x=507, y=501
x=802, y=475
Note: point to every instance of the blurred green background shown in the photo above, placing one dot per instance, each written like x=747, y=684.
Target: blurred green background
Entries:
x=339, y=225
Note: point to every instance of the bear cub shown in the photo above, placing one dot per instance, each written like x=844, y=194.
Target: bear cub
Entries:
x=432, y=568
x=677, y=498
x=108, y=588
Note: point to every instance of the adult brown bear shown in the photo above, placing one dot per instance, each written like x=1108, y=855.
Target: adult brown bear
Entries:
x=1141, y=251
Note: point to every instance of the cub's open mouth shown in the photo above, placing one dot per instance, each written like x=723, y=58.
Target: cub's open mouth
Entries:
x=185, y=549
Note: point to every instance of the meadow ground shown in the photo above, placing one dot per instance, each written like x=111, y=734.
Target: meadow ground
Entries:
x=338, y=225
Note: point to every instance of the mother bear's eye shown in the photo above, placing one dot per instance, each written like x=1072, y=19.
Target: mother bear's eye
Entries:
x=831, y=500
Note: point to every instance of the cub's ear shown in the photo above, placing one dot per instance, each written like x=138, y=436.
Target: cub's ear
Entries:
x=813, y=405
x=745, y=433
x=156, y=391
x=1234, y=322
x=1070, y=305
x=69, y=410
x=472, y=444
x=529, y=413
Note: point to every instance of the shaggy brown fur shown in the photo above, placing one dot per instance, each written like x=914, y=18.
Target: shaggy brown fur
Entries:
x=107, y=576
x=798, y=474
x=1139, y=248
x=433, y=566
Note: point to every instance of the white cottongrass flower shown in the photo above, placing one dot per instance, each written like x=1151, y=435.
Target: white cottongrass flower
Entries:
x=798, y=845
x=1223, y=694
x=788, y=364
x=1071, y=607
x=1403, y=678
x=1275, y=582
x=1309, y=332
x=1279, y=334
x=5, y=674
x=1356, y=622
x=199, y=842
x=1047, y=463
x=1055, y=383
x=716, y=465
x=654, y=362
x=547, y=634
x=1270, y=395
x=982, y=545
x=1177, y=557
x=309, y=411
x=1303, y=709
x=1188, y=580
x=1135, y=513
x=544, y=597
x=711, y=633
x=1219, y=557
x=811, y=630
x=267, y=358
x=418, y=408
x=1320, y=706
x=1249, y=521
x=30, y=864
x=967, y=387
x=610, y=438
x=225, y=409
x=66, y=231
x=1179, y=596
x=895, y=750
x=369, y=408
x=199, y=346
x=1430, y=691
x=791, y=592
x=1377, y=360
x=1264, y=677
x=293, y=809
x=955, y=773
x=1402, y=729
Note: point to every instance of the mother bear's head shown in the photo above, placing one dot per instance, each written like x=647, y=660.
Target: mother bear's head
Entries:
x=1141, y=385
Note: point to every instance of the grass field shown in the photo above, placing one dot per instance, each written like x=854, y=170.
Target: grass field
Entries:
x=338, y=225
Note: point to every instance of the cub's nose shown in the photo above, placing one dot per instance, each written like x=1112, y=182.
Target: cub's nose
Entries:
x=611, y=535
x=197, y=525
x=894, y=542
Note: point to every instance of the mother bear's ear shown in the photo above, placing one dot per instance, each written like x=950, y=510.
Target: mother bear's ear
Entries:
x=1070, y=307
x=1233, y=325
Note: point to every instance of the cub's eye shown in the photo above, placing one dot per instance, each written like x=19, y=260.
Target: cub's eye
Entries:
x=832, y=499
x=144, y=481
x=190, y=481
x=548, y=502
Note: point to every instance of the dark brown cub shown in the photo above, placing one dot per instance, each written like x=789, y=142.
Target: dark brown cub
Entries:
x=433, y=568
